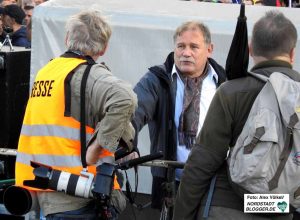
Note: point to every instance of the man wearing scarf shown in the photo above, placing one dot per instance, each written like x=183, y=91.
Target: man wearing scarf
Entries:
x=173, y=99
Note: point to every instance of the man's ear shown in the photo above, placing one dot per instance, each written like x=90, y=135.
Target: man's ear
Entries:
x=250, y=49
x=210, y=49
x=66, y=38
x=292, y=55
x=102, y=52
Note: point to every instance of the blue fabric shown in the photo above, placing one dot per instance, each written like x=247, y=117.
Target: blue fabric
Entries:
x=19, y=38
x=87, y=213
x=209, y=197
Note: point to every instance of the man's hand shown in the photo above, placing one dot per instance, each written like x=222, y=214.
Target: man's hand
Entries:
x=130, y=156
x=93, y=152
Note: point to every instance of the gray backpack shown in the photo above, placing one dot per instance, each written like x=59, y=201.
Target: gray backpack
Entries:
x=266, y=156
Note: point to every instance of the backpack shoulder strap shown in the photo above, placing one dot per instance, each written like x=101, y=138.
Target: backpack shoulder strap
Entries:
x=259, y=76
x=293, y=74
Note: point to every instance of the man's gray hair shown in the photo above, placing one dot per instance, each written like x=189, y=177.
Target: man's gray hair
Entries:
x=193, y=25
x=273, y=35
x=88, y=32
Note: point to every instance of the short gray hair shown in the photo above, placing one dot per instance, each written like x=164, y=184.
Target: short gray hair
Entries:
x=273, y=35
x=88, y=32
x=193, y=25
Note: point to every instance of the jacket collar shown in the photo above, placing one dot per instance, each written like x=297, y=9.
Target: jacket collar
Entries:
x=271, y=63
x=268, y=67
x=78, y=54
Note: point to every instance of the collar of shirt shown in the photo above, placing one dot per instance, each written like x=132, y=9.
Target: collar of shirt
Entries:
x=212, y=75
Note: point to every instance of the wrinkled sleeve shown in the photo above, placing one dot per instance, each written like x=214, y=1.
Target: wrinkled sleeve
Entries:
x=116, y=103
x=205, y=159
x=147, y=94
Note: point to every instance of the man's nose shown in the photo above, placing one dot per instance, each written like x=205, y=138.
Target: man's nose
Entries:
x=187, y=52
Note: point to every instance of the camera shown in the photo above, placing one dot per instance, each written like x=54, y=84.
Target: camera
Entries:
x=85, y=185
x=7, y=29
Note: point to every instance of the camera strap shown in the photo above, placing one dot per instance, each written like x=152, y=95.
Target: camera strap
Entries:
x=90, y=62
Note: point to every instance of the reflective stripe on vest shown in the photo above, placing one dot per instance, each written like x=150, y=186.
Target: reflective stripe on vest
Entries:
x=52, y=130
x=51, y=138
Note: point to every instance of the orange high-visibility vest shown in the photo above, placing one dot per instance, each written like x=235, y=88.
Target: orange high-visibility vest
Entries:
x=47, y=136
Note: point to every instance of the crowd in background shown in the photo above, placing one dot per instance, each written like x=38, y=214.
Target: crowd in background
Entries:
x=15, y=22
x=21, y=3
x=277, y=3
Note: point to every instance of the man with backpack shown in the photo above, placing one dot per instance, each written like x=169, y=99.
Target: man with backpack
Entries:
x=272, y=48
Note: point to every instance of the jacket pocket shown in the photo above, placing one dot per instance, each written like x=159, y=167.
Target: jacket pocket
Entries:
x=252, y=152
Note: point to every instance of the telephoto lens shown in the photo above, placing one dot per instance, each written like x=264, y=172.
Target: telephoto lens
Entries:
x=25, y=202
x=75, y=185
x=83, y=185
x=61, y=181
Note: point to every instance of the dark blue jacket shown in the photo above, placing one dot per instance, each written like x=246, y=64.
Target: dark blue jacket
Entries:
x=19, y=38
